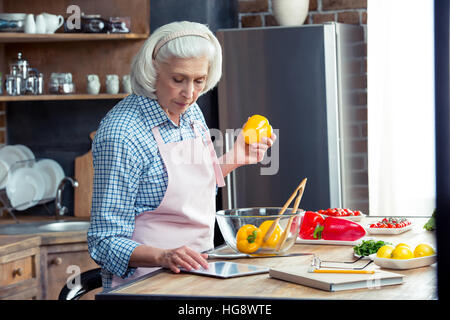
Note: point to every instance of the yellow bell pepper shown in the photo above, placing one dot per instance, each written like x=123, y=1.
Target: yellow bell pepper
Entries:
x=248, y=238
x=256, y=128
x=274, y=238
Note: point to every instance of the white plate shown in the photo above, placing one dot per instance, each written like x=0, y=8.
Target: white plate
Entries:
x=28, y=154
x=351, y=218
x=388, y=230
x=322, y=241
x=52, y=173
x=4, y=168
x=25, y=188
x=403, y=264
x=11, y=154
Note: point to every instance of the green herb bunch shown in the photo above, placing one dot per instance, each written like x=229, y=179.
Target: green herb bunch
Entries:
x=368, y=247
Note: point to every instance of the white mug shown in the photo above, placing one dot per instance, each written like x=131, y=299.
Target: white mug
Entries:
x=126, y=84
x=52, y=22
x=30, y=25
x=112, y=83
x=40, y=24
x=93, y=84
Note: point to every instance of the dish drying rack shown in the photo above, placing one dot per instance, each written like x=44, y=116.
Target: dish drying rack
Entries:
x=5, y=202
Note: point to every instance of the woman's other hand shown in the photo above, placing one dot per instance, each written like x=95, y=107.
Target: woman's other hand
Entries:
x=184, y=257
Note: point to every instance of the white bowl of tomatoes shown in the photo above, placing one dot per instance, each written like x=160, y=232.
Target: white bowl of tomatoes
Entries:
x=390, y=225
x=353, y=215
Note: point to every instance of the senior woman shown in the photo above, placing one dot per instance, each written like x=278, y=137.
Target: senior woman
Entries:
x=152, y=205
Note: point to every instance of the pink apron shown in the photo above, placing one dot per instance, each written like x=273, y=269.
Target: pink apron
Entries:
x=185, y=215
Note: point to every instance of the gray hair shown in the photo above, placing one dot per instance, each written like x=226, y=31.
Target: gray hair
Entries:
x=143, y=68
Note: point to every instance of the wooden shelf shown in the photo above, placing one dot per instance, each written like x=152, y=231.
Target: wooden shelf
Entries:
x=17, y=37
x=46, y=97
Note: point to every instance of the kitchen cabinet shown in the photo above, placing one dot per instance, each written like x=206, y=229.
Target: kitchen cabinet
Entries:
x=65, y=121
x=20, y=268
x=77, y=53
x=58, y=263
x=38, y=266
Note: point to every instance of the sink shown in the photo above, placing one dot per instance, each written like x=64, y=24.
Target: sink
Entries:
x=43, y=227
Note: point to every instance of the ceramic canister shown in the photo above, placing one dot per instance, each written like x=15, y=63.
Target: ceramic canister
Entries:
x=112, y=83
x=92, y=84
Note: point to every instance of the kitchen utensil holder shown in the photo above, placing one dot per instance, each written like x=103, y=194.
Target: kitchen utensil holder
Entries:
x=5, y=202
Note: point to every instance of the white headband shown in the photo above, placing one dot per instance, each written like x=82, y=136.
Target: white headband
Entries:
x=175, y=35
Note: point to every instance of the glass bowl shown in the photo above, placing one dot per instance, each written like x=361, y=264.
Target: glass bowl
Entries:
x=232, y=220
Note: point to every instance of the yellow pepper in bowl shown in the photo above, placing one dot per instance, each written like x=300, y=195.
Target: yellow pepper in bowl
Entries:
x=249, y=238
x=274, y=238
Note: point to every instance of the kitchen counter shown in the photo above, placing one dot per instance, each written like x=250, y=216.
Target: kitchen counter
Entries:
x=419, y=283
x=47, y=238
x=18, y=242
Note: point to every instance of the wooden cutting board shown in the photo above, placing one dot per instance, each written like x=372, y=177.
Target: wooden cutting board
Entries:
x=84, y=174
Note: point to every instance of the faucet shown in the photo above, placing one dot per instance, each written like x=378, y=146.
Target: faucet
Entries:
x=60, y=210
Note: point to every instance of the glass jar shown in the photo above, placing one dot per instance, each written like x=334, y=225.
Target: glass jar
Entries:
x=13, y=85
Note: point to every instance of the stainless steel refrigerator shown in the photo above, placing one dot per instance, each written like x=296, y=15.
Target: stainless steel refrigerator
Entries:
x=300, y=79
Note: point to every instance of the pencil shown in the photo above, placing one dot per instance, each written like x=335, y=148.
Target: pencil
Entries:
x=343, y=271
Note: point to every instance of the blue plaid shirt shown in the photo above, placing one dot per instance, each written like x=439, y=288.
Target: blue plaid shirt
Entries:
x=129, y=177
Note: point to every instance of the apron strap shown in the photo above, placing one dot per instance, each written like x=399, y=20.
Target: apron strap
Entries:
x=217, y=170
x=157, y=135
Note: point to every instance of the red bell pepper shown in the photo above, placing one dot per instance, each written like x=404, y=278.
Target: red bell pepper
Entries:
x=340, y=229
x=310, y=222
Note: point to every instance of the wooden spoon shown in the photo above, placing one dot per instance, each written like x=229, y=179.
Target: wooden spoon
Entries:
x=286, y=205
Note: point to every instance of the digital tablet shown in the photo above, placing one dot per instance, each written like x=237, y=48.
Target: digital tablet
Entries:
x=227, y=269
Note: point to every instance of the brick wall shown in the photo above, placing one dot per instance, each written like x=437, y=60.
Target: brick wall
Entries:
x=258, y=13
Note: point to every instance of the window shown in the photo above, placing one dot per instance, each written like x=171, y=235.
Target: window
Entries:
x=401, y=128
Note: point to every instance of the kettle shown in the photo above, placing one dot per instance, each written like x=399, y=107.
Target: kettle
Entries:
x=20, y=66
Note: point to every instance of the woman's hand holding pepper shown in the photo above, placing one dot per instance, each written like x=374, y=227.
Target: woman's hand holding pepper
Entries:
x=243, y=153
x=251, y=153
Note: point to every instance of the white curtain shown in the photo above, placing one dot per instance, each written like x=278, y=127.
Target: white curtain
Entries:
x=401, y=136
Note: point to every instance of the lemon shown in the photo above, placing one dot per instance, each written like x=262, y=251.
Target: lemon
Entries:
x=403, y=245
x=423, y=250
x=402, y=252
x=385, y=251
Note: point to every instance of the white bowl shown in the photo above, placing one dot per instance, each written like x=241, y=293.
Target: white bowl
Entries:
x=52, y=173
x=19, y=27
x=402, y=264
x=25, y=188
